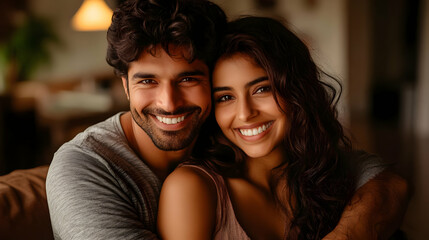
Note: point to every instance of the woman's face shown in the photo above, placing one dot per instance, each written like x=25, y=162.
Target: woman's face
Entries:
x=245, y=108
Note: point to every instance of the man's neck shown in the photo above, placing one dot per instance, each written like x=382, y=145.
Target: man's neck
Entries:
x=159, y=161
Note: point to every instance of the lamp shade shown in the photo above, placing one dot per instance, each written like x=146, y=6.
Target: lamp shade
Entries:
x=93, y=15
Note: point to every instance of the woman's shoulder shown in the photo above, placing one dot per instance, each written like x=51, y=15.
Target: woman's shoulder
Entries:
x=191, y=176
x=187, y=202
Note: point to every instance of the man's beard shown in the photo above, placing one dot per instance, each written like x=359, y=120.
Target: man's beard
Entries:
x=170, y=140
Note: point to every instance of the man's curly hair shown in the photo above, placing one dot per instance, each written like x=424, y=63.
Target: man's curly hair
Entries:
x=144, y=25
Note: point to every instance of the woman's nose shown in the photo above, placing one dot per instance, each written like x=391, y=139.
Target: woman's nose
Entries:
x=246, y=110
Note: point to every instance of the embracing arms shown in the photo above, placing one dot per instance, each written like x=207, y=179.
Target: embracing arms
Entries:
x=375, y=211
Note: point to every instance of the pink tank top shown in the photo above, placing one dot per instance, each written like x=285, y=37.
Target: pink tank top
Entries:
x=227, y=226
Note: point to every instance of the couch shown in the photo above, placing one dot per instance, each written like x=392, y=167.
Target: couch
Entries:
x=24, y=210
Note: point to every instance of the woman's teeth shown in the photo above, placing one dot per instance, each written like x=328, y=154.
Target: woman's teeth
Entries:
x=255, y=131
x=167, y=120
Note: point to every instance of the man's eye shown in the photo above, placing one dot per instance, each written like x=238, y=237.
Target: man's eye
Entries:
x=224, y=98
x=263, y=89
x=147, y=81
x=188, y=80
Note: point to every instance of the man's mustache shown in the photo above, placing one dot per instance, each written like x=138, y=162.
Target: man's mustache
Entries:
x=178, y=111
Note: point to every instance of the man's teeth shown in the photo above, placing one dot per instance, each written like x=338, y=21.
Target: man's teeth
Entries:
x=255, y=131
x=167, y=120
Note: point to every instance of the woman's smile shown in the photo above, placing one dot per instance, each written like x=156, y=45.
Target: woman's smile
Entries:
x=255, y=131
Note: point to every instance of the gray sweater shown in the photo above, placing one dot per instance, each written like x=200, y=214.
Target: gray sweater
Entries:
x=98, y=188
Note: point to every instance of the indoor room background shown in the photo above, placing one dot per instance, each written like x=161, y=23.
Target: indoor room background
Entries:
x=55, y=82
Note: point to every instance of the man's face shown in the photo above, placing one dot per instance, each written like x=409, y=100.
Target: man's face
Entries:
x=169, y=97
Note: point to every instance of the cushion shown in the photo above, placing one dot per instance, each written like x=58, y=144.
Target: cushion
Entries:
x=23, y=205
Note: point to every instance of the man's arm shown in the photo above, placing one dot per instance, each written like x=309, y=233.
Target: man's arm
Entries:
x=375, y=211
x=86, y=201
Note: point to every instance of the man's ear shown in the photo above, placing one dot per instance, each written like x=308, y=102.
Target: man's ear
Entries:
x=125, y=85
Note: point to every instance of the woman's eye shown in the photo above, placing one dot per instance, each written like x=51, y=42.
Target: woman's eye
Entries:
x=263, y=89
x=224, y=98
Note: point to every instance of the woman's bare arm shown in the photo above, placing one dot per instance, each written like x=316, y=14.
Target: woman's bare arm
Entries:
x=187, y=206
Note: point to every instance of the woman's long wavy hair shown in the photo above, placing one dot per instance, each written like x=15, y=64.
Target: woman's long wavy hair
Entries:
x=315, y=169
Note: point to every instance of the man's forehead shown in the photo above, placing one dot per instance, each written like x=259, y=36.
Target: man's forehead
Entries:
x=174, y=51
x=160, y=62
x=177, y=53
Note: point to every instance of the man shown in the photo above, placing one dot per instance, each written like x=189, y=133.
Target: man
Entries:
x=105, y=183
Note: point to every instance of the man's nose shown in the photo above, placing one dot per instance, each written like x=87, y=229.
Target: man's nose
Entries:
x=169, y=97
x=246, y=110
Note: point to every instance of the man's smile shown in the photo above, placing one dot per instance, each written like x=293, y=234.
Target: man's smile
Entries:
x=170, y=120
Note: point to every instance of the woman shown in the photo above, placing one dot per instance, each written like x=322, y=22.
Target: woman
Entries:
x=280, y=166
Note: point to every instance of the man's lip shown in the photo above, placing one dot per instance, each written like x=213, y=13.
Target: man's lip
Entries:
x=167, y=121
x=171, y=119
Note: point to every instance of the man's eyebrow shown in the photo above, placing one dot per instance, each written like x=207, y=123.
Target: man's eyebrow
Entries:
x=249, y=84
x=140, y=75
x=192, y=73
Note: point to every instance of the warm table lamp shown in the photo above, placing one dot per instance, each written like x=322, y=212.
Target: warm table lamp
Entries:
x=93, y=15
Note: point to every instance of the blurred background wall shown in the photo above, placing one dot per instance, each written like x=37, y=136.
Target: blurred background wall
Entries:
x=80, y=52
x=379, y=49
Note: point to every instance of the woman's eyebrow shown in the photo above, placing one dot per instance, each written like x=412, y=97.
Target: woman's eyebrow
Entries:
x=218, y=89
x=249, y=84
x=260, y=79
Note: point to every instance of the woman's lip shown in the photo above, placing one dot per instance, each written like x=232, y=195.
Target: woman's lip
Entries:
x=254, y=129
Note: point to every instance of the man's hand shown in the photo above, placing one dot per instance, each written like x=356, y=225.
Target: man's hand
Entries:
x=375, y=211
